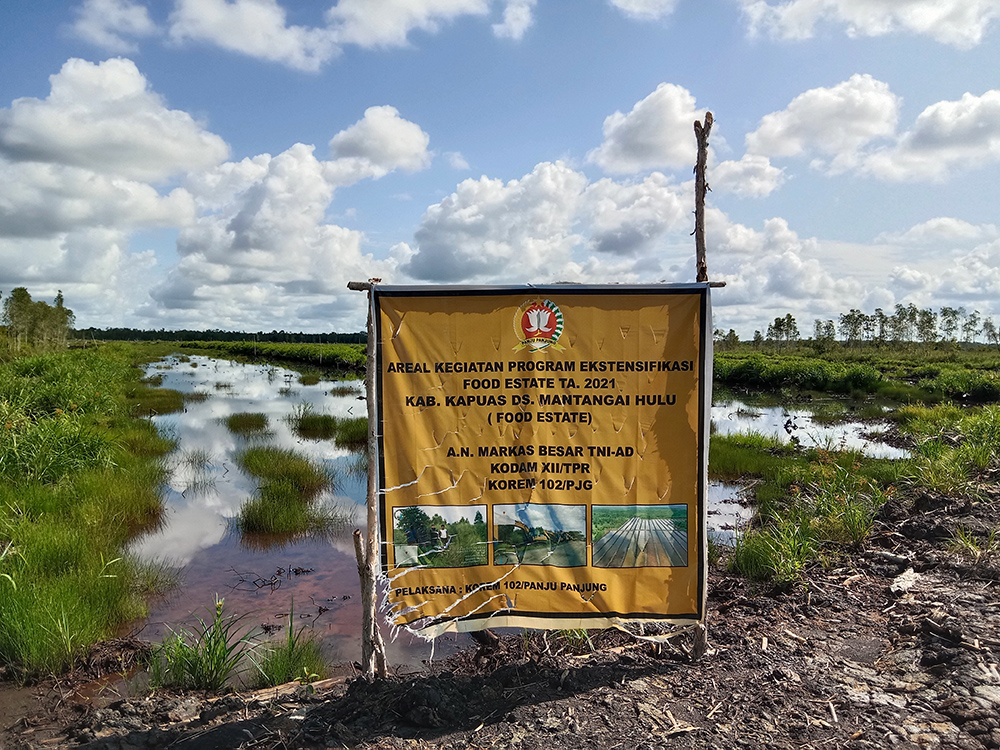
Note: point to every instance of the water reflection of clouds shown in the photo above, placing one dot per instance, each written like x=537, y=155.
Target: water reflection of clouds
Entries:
x=206, y=487
x=190, y=525
x=735, y=417
x=726, y=514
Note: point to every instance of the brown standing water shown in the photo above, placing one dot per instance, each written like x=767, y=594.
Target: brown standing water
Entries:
x=264, y=577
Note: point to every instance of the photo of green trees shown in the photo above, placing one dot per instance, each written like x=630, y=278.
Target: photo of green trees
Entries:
x=439, y=536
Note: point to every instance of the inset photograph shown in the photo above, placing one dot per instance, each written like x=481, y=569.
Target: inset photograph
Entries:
x=439, y=536
x=537, y=534
x=640, y=536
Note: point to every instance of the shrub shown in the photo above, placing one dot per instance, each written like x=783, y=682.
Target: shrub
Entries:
x=205, y=659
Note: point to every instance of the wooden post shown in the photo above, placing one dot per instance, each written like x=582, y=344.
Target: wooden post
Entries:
x=699, y=642
x=373, y=662
x=701, y=188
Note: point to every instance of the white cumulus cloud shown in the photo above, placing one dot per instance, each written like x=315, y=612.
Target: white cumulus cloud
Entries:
x=836, y=123
x=75, y=183
x=517, y=18
x=266, y=256
x=388, y=23
x=970, y=279
x=377, y=144
x=753, y=176
x=657, y=133
x=101, y=279
x=103, y=117
x=947, y=136
x=487, y=229
x=214, y=188
x=43, y=200
x=628, y=219
x=257, y=28
x=77, y=179
x=772, y=272
x=974, y=276
x=961, y=23
x=109, y=23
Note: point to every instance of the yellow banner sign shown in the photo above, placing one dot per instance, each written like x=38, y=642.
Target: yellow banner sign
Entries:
x=543, y=454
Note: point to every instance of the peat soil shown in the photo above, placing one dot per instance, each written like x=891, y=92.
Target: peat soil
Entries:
x=894, y=646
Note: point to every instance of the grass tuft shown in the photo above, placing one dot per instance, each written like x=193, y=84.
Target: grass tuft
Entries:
x=203, y=659
x=274, y=465
x=297, y=657
x=80, y=477
x=977, y=548
x=247, y=423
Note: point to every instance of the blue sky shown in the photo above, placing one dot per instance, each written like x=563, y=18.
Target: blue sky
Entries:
x=233, y=163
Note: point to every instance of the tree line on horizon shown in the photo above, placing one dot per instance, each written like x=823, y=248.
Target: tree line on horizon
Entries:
x=215, y=334
x=28, y=322
x=906, y=325
x=37, y=324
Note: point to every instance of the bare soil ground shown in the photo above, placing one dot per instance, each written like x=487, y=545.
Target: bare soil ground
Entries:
x=895, y=646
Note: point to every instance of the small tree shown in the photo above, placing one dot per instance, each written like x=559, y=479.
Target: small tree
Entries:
x=881, y=321
x=950, y=322
x=990, y=332
x=927, y=326
x=824, y=335
x=851, y=326
x=36, y=323
x=971, y=326
x=19, y=316
x=726, y=341
x=776, y=331
x=791, y=329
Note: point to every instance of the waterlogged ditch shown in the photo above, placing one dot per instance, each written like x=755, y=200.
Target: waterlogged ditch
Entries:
x=234, y=409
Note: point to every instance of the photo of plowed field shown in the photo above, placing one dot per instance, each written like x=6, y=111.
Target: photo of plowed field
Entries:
x=640, y=536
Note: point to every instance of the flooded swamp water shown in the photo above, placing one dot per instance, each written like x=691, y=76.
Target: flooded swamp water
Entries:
x=266, y=576
x=317, y=578
x=727, y=513
x=798, y=423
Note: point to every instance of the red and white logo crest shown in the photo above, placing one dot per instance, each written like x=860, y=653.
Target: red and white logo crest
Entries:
x=538, y=324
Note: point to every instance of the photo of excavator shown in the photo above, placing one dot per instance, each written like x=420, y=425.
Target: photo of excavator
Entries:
x=536, y=534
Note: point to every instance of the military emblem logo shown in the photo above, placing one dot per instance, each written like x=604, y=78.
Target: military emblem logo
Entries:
x=538, y=324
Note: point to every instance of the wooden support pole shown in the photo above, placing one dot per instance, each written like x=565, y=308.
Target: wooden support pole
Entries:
x=701, y=189
x=699, y=640
x=373, y=663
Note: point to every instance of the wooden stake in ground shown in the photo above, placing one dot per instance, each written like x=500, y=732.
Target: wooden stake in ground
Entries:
x=700, y=191
x=701, y=133
x=372, y=647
